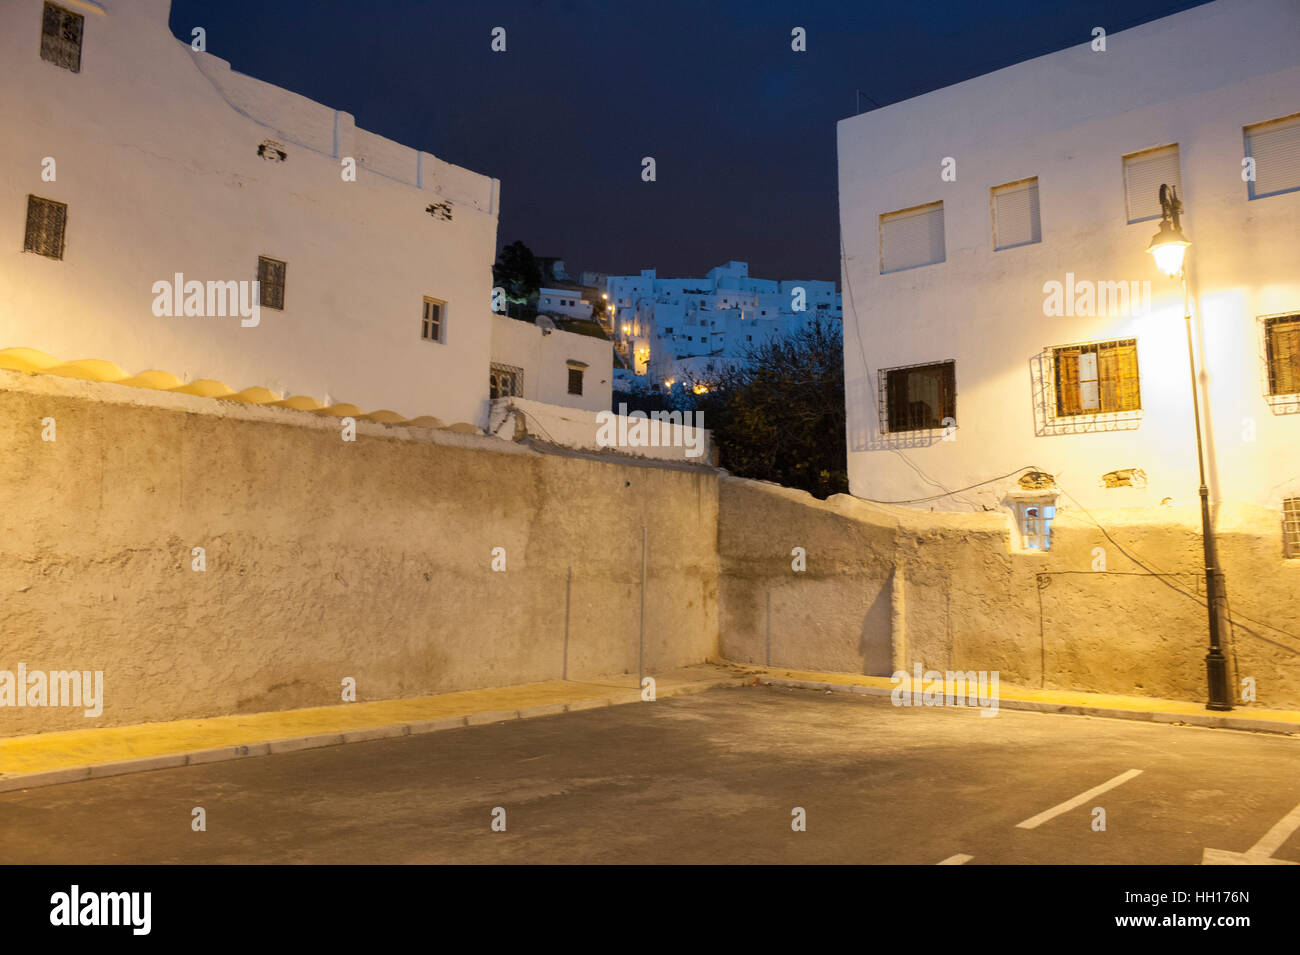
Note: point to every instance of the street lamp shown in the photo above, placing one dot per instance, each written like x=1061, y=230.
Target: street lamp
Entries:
x=1168, y=247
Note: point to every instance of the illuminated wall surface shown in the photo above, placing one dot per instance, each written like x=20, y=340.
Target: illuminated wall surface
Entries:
x=156, y=151
x=1195, y=79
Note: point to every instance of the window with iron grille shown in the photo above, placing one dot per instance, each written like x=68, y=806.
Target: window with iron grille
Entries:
x=920, y=397
x=270, y=277
x=1291, y=527
x=47, y=221
x=61, y=37
x=1282, y=339
x=431, y=324
x=1097, y=378
x=575, y=381
x=505, y=381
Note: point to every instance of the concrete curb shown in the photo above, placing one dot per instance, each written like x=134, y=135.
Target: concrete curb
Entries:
x=1211, y=721
x=294, y=744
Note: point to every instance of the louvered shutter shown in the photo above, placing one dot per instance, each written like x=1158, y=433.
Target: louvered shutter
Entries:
x=1015, y=215
x=1144, y=173
x=912, y=237
x=1275, y=147
x=1067, y=381
x=1128, y=385
x=1108, y=378
x=948, y=393
x=1284, y=357
x=46, y=224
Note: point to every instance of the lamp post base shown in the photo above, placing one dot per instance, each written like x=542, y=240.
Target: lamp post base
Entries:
x=1216, y=669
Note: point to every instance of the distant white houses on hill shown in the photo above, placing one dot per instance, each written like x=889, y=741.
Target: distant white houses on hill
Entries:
x=667, y=330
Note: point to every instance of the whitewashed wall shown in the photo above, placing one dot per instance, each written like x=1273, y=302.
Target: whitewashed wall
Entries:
x=1195, y=78
x=544, y=356
x=156, y=151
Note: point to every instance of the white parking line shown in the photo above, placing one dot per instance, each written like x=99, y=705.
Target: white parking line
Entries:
x=1261, y=853
x=958, y=859
x=1034, y=822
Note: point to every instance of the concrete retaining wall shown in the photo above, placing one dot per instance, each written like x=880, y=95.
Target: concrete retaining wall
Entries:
x=372, y=559
x=888, y=587
x=324, y=559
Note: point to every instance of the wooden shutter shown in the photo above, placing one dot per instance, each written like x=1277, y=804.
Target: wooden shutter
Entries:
x=1128, y=385
x=947, y=392
x=1144, y=173
x=1067, y=381
x=46, y=224
x=1108, y=378
x=896, y=398
x=1275, y=147
x=1284, y=356
x=61, y=32
x=1015, y=215
x=912, y=237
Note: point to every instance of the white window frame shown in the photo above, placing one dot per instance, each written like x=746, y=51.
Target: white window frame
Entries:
x=440, y=325
x=1143, y=156
x=913, y=211
x=1010, y=188
x=1034, y=530
x=1291, y=123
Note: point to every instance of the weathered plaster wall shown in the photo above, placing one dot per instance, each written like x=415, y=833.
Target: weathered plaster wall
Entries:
x=325, y=559
x=328, y=559
x=968, y=601
x=586, y=430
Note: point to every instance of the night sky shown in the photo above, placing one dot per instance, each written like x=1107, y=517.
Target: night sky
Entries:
x=742, y=129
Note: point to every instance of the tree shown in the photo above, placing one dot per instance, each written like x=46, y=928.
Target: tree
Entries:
x=518, y=272
x=778, y=415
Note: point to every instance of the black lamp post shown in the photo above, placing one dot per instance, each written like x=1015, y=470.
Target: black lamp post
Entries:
x=1168, y=246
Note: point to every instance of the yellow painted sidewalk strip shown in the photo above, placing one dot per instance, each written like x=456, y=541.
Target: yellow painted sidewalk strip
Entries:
x=44, y=752
x=1006, y=691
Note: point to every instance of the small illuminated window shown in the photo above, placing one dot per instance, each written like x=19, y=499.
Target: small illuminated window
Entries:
x=1036, y=525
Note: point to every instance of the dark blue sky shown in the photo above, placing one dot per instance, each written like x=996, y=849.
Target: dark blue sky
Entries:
x=742, y=129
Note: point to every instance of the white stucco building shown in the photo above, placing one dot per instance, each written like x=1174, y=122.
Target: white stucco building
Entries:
x=566, y=302
x=549, y=365
x=997, y=307
x=670, y=329
x=133, y=160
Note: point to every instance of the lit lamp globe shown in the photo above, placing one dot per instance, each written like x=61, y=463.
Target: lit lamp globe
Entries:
x=1168, y=247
